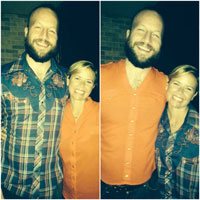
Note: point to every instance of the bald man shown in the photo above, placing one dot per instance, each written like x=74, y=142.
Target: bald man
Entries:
x=33, y=97
x=133, y=99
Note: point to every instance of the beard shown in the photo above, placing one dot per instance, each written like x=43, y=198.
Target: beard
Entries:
x=133, y=58
x=34, y=54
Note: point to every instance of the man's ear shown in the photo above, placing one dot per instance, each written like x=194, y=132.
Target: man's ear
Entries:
x=26, y=31
x=127, y=33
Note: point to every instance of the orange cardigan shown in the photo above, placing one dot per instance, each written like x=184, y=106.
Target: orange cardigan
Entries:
x=79, y=149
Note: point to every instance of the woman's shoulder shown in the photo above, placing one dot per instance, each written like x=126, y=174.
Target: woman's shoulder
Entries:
x=192, y=133
x=193, y=117
x=94, y=104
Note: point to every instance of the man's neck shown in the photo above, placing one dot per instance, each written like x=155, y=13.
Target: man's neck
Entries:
x=39, y=68
x=135, y=74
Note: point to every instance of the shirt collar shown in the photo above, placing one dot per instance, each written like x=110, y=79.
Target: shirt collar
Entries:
x=22, y=65
x=190, y=118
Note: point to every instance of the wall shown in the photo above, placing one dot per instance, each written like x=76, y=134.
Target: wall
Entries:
x=12, y=36
x=113, y=34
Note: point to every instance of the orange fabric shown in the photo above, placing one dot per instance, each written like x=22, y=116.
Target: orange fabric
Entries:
x=79, y=149
x=129, y=120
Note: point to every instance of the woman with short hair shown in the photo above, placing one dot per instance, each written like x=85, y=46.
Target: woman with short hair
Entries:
x=177, y=144
x=79, y=146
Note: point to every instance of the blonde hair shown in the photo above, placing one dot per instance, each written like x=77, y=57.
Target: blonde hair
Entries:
x=82, y=64
x=185, y=69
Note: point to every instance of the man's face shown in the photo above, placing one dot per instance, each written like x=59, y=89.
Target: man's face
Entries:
x=41, y=36
x=144, y=40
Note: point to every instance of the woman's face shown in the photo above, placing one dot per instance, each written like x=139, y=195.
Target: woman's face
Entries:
x=81, y=83
x=181, y=90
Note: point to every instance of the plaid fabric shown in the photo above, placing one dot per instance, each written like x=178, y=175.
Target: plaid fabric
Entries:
x=21, y=124
x=177, y=157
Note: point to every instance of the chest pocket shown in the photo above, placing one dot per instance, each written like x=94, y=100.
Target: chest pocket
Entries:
x=18, y=108
x=187, y=179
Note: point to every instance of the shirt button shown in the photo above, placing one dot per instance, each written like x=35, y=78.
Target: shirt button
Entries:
x=129, y=148
x=127, y=163
x=132, y=121
x=48, y=94
x=134, y=94
x=126, y=176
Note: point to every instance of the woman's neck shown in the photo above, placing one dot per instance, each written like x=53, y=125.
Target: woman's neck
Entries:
x=176, y=117
x=77, y=108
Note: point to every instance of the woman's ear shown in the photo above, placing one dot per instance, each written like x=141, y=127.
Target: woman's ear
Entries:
x=127, y=33
x=25, y=31
x=167, y=85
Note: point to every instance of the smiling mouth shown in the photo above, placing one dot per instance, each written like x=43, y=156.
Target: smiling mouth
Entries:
x=79, y=91
x=144, y=49
x=179, y=99
x=42, y=45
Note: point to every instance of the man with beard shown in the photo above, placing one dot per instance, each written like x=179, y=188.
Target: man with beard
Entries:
x=133, y=99
x=33, y=96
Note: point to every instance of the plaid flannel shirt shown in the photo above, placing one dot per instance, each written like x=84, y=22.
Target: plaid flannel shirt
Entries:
x=177, y=157
x=20, y=111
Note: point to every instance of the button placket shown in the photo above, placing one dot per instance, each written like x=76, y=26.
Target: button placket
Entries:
x=130, y=139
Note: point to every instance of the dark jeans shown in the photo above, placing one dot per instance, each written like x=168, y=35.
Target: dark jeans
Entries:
x=148, y=190
x=9, y=195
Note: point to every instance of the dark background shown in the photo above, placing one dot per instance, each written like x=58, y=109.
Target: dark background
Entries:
x=79, y=36
x=181, y=36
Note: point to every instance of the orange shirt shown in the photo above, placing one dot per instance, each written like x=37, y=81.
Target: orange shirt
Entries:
x=129, y=120
x=79, y=149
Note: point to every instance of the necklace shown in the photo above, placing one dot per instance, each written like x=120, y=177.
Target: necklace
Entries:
x=175, y=124
x=176, y=119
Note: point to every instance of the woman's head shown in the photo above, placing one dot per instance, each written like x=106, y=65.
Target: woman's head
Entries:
x=81, y=78
x=183, y=86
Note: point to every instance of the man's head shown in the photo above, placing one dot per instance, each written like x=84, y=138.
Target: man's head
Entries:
x=144, y=40
x=41, y=34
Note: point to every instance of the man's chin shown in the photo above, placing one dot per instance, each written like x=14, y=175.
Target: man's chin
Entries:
x=41, y=59
x=41, y=56
x=142, y=62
